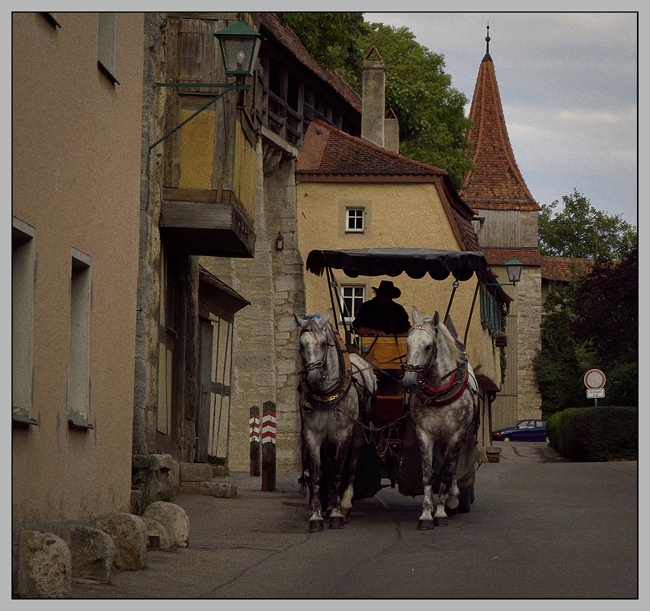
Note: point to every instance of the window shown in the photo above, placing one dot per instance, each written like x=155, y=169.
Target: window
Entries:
x=352, y=297
x=490, y=312
x=354, y=220
x=22, y=320
x=79, y=348
x=106, y=44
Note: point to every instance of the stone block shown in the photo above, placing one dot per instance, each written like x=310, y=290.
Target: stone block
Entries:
x=173, y=518
x=129, y=534
x=195, y=472
x=220, y=490
x=92, y=551
x=158, y=536
x=45, y=566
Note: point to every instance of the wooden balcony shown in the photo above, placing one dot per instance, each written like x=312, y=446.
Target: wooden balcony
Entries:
x=206, y=222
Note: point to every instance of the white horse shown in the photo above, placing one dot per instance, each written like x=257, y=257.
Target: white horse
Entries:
x=442, y=397
x=336, y=393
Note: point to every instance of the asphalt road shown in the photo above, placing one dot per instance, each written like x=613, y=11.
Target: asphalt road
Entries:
x=540, y=528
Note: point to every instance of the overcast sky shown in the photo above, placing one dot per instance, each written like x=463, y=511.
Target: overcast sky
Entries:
x=568, y=85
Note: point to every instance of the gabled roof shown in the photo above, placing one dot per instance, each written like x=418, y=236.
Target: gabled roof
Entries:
x=563, y=269
x=497, y=183
x=286, y=37
x=329, y=154
x=327, y=150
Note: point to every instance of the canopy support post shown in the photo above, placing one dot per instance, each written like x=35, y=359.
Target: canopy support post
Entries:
x=469, y=320
x=451, y=299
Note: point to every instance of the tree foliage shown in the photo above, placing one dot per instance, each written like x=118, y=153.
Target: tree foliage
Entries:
x=579, y=230
x=432, y=121
x=591, y=323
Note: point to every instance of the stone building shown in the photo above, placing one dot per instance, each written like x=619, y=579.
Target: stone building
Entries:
x=507, y=228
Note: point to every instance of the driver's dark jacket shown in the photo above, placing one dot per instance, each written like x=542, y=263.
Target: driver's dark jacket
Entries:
x=391, y=318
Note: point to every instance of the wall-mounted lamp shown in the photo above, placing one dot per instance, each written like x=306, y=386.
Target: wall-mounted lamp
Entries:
x=513, y=269
x=239, y=48
x=279, y=242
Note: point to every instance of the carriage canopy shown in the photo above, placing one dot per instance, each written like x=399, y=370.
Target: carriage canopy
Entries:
x=415, y=262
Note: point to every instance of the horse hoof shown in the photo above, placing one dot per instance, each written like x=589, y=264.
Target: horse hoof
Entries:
x=440, y=522
x=336, y=522
x=315, y=526
x=451, y=512
x=425, y=524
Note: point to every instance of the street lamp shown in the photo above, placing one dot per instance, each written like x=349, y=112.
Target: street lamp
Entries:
x=513, y=269
x=239, y=48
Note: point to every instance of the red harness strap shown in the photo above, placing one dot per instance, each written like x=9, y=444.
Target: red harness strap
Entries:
x=448, y=393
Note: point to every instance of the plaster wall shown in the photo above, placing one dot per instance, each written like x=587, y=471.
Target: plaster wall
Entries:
x=76, y=181
x=398, y=215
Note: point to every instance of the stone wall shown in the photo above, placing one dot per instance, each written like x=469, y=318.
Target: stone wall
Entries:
x=529, y=318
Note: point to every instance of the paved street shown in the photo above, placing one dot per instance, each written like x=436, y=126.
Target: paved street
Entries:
x=540, y=528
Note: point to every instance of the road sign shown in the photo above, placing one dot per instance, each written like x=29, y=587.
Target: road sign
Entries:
x=594, y=379
x=595, y=393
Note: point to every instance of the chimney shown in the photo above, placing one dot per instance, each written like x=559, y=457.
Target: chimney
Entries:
x=373, y=98
x=391, y=132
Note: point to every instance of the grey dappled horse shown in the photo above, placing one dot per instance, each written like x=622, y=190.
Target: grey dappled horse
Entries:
x=336, y=392
x=442, y=397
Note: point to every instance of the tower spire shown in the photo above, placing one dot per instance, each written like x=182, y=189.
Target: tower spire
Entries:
x=487, y=44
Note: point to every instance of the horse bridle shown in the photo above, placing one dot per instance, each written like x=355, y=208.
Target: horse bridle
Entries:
x=335, y=393
x=422, y=370
x=448, y=393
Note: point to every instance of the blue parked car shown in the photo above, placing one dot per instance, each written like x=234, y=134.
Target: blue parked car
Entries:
x=524, y=430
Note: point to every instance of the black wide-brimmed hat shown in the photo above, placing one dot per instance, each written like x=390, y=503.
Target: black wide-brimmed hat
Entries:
x=386, y=287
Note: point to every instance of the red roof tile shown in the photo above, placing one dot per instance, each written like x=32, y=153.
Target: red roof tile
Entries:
x=497, y=183
x=327, y=150
x=563, y=269
x=499, y=256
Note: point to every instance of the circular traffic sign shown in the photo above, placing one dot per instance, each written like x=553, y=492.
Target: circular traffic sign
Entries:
x=594, y=379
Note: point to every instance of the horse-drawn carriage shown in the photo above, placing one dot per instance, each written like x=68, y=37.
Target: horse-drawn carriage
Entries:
x=372, y=406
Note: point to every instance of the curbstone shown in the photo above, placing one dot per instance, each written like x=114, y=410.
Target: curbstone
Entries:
x=157, y=530
x=129, y=534
x=222, y=491
x=173, y=518
x=45, y=566
x=92, y=551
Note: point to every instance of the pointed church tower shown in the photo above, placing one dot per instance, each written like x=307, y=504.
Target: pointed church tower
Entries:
x=508, y=216
x=497, y=183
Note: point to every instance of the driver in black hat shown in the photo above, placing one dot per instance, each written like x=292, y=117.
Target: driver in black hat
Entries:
x=381, y=315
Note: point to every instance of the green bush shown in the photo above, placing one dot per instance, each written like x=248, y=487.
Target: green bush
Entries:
x=595, y=434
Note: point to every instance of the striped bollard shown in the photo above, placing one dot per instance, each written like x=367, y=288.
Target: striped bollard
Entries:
x=268, y=447
x=255, y=440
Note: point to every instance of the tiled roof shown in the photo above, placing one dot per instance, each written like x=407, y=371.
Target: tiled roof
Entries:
x=497, y=183
x=499, y=256
x=563, y=269
x=328, y=152
x=284, y=35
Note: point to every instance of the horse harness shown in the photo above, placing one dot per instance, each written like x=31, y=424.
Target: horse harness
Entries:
x=334, y=394
x=439, y=397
